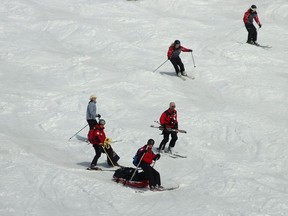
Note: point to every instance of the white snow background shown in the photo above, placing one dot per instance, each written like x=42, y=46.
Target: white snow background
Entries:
x=55, y=54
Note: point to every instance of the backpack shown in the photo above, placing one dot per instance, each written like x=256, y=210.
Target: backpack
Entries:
x=127, y=172
x=137, y=157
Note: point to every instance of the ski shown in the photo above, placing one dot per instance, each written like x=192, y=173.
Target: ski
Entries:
x=175, y=155
x=262, y=46
x=144, y=190
x=101, y=169
x=265, y=46
x=190, y=77
x=181, y=77
x=168, y=129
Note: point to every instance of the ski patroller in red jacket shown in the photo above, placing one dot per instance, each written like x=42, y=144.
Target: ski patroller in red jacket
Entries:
x=97, y=135
x=169, y=119
x=149, y=156
x=175, y=52
x=249, y=16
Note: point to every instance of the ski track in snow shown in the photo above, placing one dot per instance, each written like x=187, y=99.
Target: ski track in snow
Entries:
x=54, y=54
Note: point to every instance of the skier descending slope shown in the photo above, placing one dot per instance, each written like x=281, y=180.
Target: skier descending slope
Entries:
x=248, y=18
x=174, y=56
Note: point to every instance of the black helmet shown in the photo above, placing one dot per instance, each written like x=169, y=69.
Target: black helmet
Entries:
x=176, y=42
x=253, y=7
x=102, y=122
x=150, y=142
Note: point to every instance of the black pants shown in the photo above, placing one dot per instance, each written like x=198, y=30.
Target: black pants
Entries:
x=177, y=63
x=98, y=151
x=92, y=123
x=166, y=139
x=252, y=32
x=151, y=174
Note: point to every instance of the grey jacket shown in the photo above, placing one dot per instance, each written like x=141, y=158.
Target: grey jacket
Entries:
x=91, y=110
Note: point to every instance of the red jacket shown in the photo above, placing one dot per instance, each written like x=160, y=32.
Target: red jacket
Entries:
x=174, y=53
x=97, y=135
x=249, y=16
x=169, y=119
x=149, y=156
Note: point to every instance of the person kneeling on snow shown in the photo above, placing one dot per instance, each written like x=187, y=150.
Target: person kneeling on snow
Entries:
x=148, y=156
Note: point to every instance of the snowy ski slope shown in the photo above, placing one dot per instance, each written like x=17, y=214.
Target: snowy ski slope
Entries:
x=55, y=54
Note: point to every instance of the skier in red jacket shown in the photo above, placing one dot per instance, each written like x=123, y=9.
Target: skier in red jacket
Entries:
x=101, y=144
x=248, y=18
x=150, y=173
x=173, y=55
x=97, y=137
x=169, y=120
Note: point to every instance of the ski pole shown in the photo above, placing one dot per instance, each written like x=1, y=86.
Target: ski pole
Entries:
x=138, y=164
x=193, y=59
x=78, y=132
x=160, y=65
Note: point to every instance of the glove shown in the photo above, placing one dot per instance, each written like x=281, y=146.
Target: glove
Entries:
x=108, y=140
x=99, y=116
x=260, y=25
x=157, y=157
x=190, y=50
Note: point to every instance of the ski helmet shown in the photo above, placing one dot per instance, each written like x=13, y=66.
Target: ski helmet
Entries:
x=253, y=7
x=176, y=42
x=102, y=122
x=92, y=96
x=150, y=142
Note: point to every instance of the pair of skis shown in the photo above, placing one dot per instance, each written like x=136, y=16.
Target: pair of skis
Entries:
x=102, y=169
x=145, y=190
x=160, y=127
x=185, y=77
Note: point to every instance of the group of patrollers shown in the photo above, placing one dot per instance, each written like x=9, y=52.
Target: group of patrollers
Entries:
x=101, y=143
x=168, y=119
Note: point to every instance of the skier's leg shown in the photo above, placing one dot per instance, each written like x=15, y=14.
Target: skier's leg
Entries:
x=156, y=176
x=98, y=151
x=173, y=139
x=174, y=62
x=165, y=140
x=92, y=123
x=148, y=171
x=181, y=65
x=254, y=33
x=250, y=32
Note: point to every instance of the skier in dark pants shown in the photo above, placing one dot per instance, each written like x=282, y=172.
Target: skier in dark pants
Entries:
x=173, y=55
x=151, y=174
x=91, y=112
x=101, y=144
x=169, y=121
x=97, y=138
x=248, y=18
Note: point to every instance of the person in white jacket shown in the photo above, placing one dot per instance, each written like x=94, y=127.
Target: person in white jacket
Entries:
x=91, y=113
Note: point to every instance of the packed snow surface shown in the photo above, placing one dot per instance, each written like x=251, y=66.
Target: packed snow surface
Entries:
x=55, y=54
